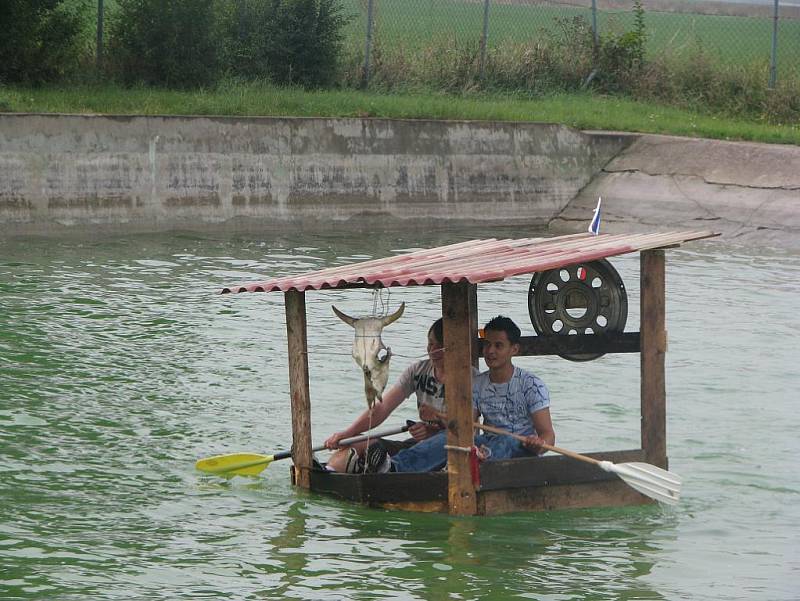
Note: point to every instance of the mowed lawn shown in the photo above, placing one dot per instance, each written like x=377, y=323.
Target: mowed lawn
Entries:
x=417, y=24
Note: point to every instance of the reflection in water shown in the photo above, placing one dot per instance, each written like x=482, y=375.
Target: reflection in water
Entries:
x=348, y=552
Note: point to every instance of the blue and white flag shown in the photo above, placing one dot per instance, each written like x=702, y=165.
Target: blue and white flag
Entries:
x=594, y=226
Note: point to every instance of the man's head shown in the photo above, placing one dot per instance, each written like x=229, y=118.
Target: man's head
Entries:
x=501, y=342
x=436, y=340
x=504, y=324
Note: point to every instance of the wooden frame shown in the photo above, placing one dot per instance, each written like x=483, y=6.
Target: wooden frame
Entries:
x=514, y=485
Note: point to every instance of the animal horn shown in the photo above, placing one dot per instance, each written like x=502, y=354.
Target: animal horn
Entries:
x=351, y=321
x=385, y=321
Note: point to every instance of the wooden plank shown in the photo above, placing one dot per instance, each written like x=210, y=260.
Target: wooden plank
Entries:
x=550, y=470
x=626, y=342
x=428, y=492
x=372, y=489
x=298, y=385
x=612, y=493
x=341, y=486
x=407, y=487
x=654, y=348
x=458, y=394
x=530, y=346
x=417, y=506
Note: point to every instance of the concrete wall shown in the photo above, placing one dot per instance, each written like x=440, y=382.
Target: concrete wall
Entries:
x=72, y=172
x=748, y=192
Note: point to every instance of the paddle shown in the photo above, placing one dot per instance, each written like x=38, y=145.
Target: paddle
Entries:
x=252, y=464
x=649, y=480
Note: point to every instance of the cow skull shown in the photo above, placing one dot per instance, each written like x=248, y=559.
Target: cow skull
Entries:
x=369, y=351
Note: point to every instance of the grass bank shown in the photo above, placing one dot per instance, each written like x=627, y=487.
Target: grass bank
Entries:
x=582, y=111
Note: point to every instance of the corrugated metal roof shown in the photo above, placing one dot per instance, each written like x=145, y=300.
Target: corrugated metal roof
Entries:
x=475, y=261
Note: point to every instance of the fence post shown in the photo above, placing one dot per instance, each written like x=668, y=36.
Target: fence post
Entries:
x=484, y=39
x=773, y=63
x=99, y=50
x=241, y=17
x=368, y=45
x=594, y=24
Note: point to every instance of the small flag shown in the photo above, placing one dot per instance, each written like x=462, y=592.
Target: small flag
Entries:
x=594, y=226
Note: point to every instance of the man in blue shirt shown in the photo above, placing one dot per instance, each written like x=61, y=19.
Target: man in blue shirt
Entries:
x=505, y=396
x=509, y=397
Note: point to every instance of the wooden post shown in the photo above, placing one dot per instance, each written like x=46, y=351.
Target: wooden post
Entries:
x=473, y=324
x=458, y=395
x=298, y=386
x=653, y=349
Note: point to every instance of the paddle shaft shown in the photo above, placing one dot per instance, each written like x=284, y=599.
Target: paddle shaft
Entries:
x=647, y=479
x=346, y=442
x=553, y=448
x=549, y=447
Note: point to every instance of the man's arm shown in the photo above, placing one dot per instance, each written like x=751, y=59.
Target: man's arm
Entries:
x=380, y=411
x=544, y=430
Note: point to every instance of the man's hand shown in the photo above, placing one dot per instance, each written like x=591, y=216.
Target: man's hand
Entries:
x=421, y=430
x=332, y=442
x=418, y=431
x=428, y=413
x=534, y=443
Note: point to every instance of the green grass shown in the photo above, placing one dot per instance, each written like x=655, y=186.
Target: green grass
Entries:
x=583, y=111
x=416, y=24
x=732, y=40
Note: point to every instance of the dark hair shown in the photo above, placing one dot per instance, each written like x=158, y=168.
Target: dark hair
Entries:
x=504, y=324
x=438, y=331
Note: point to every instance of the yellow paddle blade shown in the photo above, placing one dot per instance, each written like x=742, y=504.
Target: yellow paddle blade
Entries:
x=235, y=464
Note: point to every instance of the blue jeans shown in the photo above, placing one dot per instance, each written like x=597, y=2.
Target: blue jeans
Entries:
x=430, y=455
x=427, y=455
x=502, y=447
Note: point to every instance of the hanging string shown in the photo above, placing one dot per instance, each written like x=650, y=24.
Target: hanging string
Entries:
x=378, y=298
x=345, y=354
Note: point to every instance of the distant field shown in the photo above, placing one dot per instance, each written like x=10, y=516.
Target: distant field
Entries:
x=730, y=39
x=415, y=24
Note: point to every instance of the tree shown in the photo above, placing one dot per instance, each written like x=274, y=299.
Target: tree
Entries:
x=165, y=42
x=38, y=40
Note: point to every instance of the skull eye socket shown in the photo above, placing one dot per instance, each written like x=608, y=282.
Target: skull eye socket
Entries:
x=383, y=355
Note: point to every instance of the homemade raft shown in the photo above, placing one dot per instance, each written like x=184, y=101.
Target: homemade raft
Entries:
x=578, y=307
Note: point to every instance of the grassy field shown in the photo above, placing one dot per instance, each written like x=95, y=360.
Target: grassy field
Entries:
x=583, y=111
x=415, y=23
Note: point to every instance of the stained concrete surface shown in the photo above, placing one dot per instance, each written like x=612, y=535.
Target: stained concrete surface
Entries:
x=748, y=192
x=77, y=173
x=67, y=172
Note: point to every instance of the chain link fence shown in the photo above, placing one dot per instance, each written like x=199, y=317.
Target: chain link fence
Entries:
x=763, y=35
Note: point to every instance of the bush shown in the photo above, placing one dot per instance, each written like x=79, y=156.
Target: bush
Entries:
x=164, y=42
x=289, y=42
x=39, y=40
x=696, y=80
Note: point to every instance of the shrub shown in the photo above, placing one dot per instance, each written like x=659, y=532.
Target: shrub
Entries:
x=695, y=80
x=620, y=55
x=39, y=40
x=290, y=42
x=164, y=42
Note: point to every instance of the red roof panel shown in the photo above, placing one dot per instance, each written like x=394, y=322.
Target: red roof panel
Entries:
x=475, y=261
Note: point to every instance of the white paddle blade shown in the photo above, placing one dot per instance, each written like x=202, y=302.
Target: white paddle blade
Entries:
x=649, y=480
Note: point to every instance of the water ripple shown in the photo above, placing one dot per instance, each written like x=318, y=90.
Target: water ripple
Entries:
x=120, y=365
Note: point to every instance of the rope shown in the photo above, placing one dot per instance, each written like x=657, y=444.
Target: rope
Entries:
x=418, y=357
x=378, y=299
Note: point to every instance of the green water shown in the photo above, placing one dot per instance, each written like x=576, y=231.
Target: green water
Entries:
x=119, y=366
